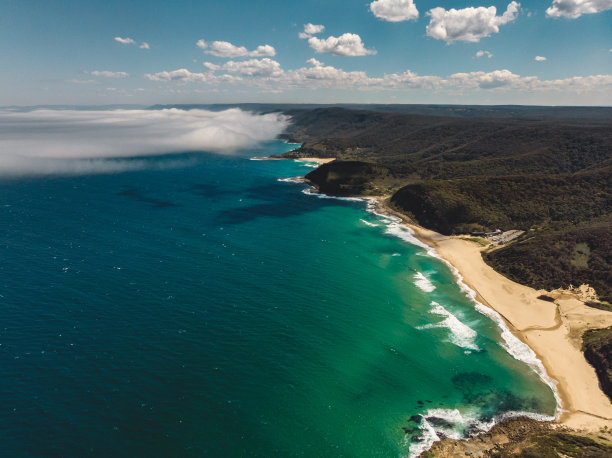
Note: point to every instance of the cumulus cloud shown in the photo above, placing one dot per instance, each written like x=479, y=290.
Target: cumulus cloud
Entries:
x=227, y=49
x=575, y=8
x=468, y=24
x=484, y=80
x=270, y=77
x=539, y=58
x=108, y=74
x=484, y=53
x=310, y=30
x=46, y=142
x=210, y=66
x=125, y=41
x=314, y=62
x=131, y=41
x=253, y=67
x=394, y=10
x=184, y=76
x=347, y=44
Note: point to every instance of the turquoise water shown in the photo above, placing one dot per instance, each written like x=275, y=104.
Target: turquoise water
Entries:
x=211, y=309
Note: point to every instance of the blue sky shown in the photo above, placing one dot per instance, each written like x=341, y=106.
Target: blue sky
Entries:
x=549, y=52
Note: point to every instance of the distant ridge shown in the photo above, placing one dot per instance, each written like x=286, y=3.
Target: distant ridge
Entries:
x=459, y=111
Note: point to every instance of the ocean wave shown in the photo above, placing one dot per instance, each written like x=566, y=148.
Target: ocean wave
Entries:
x=512, y=344
x=521, y=351
x=437, y=424
x=298, y=179
x=461, y=334
x=368, y=223
x=312, y=192
x=423, y=283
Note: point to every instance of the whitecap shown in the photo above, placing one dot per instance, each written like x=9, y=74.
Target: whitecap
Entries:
x=463, y=424
x=291, y=179
x=514, y=346
x=521, y=351
x=423, y=283
x=312, y=192
x=461, y=334
x=368, y=223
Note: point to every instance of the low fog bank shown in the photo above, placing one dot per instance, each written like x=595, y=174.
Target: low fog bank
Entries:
x=44, y=142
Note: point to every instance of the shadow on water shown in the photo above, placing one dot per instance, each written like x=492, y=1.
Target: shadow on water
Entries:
x=137, y=195
x=478, y=390
x=273, y=203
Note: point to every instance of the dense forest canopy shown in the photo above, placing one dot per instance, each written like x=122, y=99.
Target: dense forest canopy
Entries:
x=544, y=170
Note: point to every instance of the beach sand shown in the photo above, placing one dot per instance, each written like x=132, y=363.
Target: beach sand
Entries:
x=318, y=160
x=552, y=330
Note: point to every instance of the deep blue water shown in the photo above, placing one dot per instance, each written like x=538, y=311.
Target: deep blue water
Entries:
x=210, y=309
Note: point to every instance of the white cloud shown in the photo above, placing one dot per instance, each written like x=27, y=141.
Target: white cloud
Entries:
x=394, y=10
x=184, y=76
x=76, y=81
x=210, y=66
x=539, y=58
x=575, y=8
x=125, y=41
x=108, y=74
x=347, y=44
x=314, y=62
x=254, y=67
x=46, y=142
x=484, y=53
x=226, y=49
x=468, y=24
x=131, y=41
x=310, y=30
x=270, y=77
x=484, y=80
x=320, y=75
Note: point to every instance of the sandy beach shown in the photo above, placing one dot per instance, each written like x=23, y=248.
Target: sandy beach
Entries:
x=318, y=160
x=552, y=330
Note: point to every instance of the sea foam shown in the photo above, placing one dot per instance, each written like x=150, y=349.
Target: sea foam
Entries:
x=423, y=283
x=513, y=345
x=462, y=424
x=368, y=223
x=461, y=334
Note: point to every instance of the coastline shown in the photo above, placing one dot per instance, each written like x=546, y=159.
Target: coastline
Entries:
x=318, y=160
x=552, y=330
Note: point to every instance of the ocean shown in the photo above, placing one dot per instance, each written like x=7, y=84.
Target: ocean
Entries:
x=203, y=305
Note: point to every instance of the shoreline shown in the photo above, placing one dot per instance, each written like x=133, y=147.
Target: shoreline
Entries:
x=318, y=160
x=552, y=330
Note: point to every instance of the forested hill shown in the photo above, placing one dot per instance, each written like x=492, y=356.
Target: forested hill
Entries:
x=533, y=170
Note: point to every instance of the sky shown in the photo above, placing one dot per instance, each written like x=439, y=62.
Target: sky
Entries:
x=91, y=52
